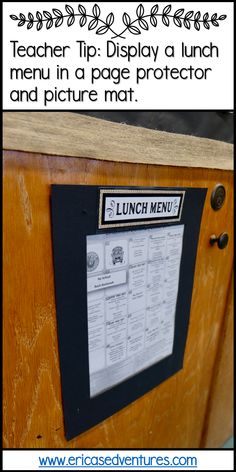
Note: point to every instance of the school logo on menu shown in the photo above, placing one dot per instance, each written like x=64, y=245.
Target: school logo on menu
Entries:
x=92, y=261
x=138, y=207
x=117, y=255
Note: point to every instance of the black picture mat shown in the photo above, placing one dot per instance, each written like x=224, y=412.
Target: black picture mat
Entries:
x=74, y=216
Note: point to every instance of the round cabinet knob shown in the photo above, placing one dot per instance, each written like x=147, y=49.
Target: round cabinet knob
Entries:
x=222, y=240
x=218, y=197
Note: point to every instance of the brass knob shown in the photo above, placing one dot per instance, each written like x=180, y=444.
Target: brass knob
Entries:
x=222, y=240
x=218, y=197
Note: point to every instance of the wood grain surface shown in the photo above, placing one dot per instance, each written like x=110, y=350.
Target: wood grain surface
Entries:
x=68, y=134
x=170, y=416
x=219, y=419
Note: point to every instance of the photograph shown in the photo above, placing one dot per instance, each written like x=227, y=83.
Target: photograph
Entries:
x=118, y=235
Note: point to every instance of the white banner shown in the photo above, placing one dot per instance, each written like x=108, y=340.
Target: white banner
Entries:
x=117, y=55
x=130, y=207
x=122, y=460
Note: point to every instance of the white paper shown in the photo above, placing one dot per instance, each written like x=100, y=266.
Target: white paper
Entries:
x=132, y=284
x=105, y=280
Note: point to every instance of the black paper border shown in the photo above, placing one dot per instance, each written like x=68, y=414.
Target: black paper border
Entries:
x=74, y=216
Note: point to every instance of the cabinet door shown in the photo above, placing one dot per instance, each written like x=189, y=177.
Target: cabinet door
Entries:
x=173, y=414
x=219, y=418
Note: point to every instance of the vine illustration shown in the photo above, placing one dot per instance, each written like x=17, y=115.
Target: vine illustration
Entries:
x=175, y=206
x=141, y=22
x=111, y=209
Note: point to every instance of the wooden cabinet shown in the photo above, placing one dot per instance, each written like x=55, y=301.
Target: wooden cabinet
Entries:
x=48, y=148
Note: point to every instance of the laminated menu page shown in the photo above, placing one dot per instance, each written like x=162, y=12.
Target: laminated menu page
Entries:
x=132, y=288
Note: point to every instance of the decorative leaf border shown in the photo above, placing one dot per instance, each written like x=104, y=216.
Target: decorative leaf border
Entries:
x=102, y=26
